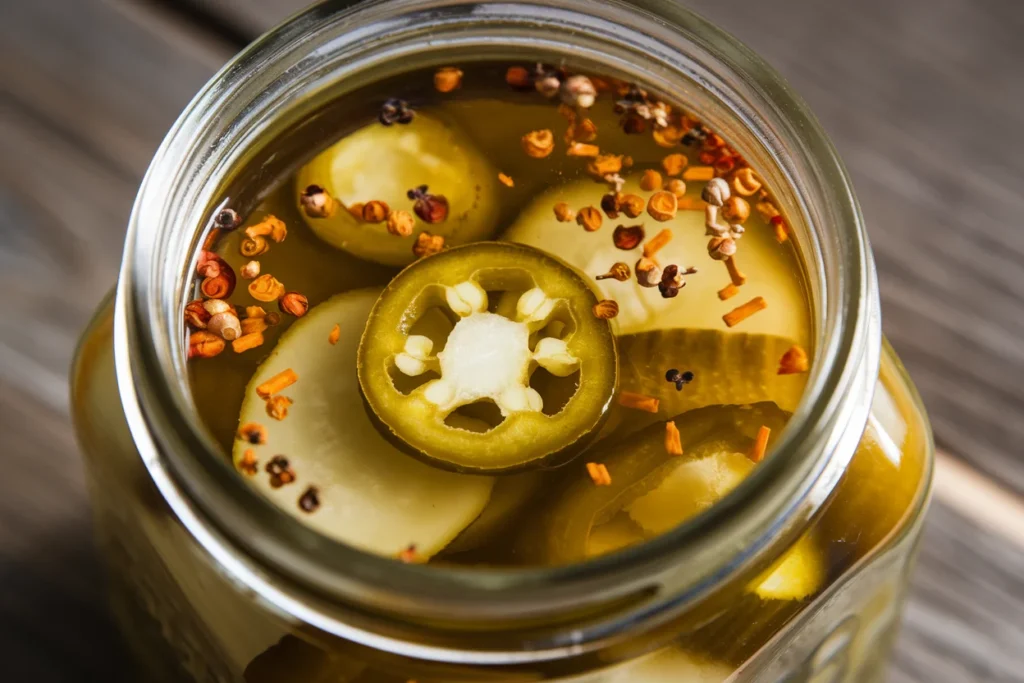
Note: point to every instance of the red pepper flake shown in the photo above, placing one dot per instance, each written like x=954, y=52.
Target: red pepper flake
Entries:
x=599, y=474
x=760, y=444
x=781, y=229
x=673, y=440
x=738, y=315
x=728, y=292
x=278, y=382
x=248, y=462
x=794, y=361
x=408, y=555
x=629, y=399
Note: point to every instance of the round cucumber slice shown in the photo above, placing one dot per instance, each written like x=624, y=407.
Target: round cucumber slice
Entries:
x=371, y=495
x=382, y=163
x=768, y=266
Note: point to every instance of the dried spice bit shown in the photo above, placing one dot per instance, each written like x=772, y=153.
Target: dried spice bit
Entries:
x=619, y=271
x=578, y=91
x=251, y=247
x=674, y=164
x=696, y=174
x=250, y=271
x=309, y=501
x=208, y=265
x=738, y=315
x=760, y=444
x=427, y=244
x=745, y=182
x=280, y=471
x=253, y=325
x=506, y=180
x=317, y=202
x=628, y=237
x=728, y=292
x=538, y=144
x=599, y=474
x=401, y=223
x=196, y=315
x=408, y=555
x=335, y=334
x=716, y=192
x=633, y=124
x=277, y=407
x=606, y=309
x=252, y=432
x=673, y=440
x=212, y=238
x=672, y=281
x=248, y=463
x=203, y=344
x=680, y=379
x=394, y=111
x=225, y=325
x=738, y=278
x=794, y=361
x=651, y=180
x=227, y=219
x=632, y=205
x=215, y=306
x=610, y=204
x=668, y=136
x=247, y=342
x=255, y=312
x=271, y=226
x=721, y=248
x=648, y=404
x=563, y=214
x=355, y=209
x=273, y=318
x=656, y=243
x=589, y=218
x=648, y=274
x=736, y=209
x=546, y=80
x=447, y=79
x=707, y=158
x=662, y=206
x=278, y=382
x=781, y=229
x=607, y=164
x=375, y=211
x=583, y=130
x=678, y=188
x=431, y=208
x=582, y=149
x=519, y=78
x=616, y=181
x=219, y=287
x=266, y=288
x=724, y=164
x=293, y=303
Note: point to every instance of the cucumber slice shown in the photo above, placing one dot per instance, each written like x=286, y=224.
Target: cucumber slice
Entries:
x=796, y=575
x=769, y=266
x=383, y=163
x=371, y=495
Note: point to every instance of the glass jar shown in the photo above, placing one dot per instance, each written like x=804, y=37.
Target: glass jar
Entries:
x=214, y=583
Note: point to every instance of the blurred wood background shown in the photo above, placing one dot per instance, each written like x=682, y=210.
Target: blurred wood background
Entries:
x=924, y=99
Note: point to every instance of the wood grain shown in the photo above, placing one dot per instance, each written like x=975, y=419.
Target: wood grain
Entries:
x=922, y=97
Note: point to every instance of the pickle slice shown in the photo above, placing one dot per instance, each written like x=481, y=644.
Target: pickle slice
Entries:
x=382, y=163
x=794, y=576
x=371, y=495
x=509, y=498
x=489, y=364
x=639, y=466
x=769, y=266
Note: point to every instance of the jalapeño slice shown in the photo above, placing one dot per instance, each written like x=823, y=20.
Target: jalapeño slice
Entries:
x=500, y=332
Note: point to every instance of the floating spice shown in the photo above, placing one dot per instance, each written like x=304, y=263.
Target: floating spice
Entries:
x=431, y=208
x=648, y=273
x=253, y=246
x=519, y=78
x=375, y=211
x=247, y=342
x=335, y=334
x=651, y=180
x=196, y=315
x=253, y=325
x=277, y=407
x=447, y=79
x=506, y=180
x=538, y=144
x=599, y=474
x=673, y=440
x=309, y=501
x=317, y=202
x=278, y=382
x=628, y=237
x=408, y=555
x=280, y=471
x=699, y=174
x=794, y=361
x=633, y=205
x=738, y=315
x=657, y=243
x=394, y=111
x=250, y=271
x=227, y=219
x=266, y=288
x=728, y=292
x=629, y=399
x=589, y=218
x=427, y=244
x=680, y=379
x=673, y=164
x=248, y=463
x=203, y=344
x=582, y=149
x=294, y=303
x=563, y=214
x=745, y=182
x=619, y=271
x=578, y=91
x=253, y=432
x=737, y=277
x=401, y=223
x=606, y=309
x=760, y=444
x=736, y=209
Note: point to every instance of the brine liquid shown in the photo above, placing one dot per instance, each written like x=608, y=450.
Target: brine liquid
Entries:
x=731, y=366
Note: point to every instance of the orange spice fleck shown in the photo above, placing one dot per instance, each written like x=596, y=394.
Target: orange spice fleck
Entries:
x=506, y=180
x=247, y=342
x=656, y=243
x=728, y=292
x=781, y=229
x=794, y=361
x=673, y=441
x=408, y=555
x=699, y=173
x=278, y=382
x=599, y=474
x=738, y=315
x=277, y=407
x=248, y=462
x=737, y=277
x=629, y=399
x=760, y=444
x=253, y=325
x=582, y=149
x=335, y=334
x=252, y=432
x=255, y=312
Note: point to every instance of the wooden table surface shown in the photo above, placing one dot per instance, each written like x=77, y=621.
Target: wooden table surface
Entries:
x=924, y=98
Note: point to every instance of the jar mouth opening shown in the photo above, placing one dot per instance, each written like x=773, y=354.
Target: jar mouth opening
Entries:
x=335, y=46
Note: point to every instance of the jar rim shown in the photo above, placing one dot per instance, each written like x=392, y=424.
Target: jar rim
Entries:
x=384, y=604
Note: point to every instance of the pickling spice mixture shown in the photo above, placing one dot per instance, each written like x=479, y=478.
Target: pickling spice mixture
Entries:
x=498, y=287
